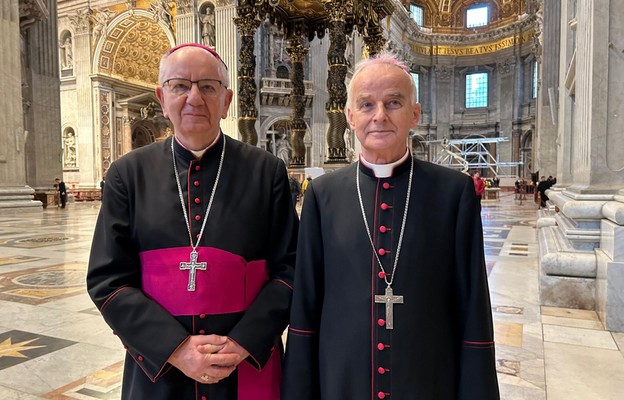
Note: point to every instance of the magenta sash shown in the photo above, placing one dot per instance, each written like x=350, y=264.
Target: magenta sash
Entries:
x=228, y=285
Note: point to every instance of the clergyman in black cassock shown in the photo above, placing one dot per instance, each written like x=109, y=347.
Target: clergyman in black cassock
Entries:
x=389, y=305
x=188, y=310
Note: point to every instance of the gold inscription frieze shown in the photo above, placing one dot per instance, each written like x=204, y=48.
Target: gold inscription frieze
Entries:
x=463, y=51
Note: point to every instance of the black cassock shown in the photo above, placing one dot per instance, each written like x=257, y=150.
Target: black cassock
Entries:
x=441, y=347
x=244, y=291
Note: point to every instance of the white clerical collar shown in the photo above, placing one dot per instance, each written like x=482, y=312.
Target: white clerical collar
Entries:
x=199, y=153
x=384, y=170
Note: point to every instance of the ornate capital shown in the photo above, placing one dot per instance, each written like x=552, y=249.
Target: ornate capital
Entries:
x=246, y=22
x=31, y=11
x=80, y=20
x=337, y=9
x=296, y=51
x=184, y=6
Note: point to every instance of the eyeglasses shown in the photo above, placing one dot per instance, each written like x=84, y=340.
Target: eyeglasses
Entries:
x=181, y=87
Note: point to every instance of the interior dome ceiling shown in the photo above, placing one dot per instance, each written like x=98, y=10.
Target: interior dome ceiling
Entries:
x=449, y=16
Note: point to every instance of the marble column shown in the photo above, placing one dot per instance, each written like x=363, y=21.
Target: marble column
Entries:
x=186, y=23
x=506, y=73
x=443, y=102
x=545, y=136
x=14, y=192
x=227, y=46
x=580, y=264
x=85, y=125
x=43, y=144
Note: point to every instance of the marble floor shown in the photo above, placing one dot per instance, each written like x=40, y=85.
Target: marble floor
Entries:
x=54, y=344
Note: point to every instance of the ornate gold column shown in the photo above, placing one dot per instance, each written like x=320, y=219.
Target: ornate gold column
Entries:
x=247, y=24
x=336, y=81
x=374, y=39
x=297, y=53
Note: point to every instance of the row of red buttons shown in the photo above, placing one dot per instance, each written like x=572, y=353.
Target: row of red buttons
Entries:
x=382, y=275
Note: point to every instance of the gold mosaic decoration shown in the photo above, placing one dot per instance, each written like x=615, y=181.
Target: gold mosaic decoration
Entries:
x=132, y=50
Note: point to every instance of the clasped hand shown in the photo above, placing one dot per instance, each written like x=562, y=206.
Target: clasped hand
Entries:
x=208, y=358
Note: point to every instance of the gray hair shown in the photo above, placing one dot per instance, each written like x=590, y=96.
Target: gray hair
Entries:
x=387, y=58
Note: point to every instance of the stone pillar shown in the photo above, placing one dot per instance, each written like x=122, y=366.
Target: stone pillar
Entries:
x=335, y=107
x=564, y=116
x=506, y=71
x=580, y=264
x=186, y=23
x=545, y=135
x=515, y=141
x=297, y=53
x=86, y=155
x=443, y=79
x=14, y=193
x=247, y=24
x=227, y=47
x=43, y=142
x=103, y=95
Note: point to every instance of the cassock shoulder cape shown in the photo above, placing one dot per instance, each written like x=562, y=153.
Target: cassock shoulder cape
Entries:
x=249, y=241
x=441, y=347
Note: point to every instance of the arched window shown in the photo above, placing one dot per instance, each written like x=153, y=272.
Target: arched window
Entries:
x=282, y=72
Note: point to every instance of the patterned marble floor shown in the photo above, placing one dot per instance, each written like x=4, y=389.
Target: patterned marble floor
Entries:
x=54, y=344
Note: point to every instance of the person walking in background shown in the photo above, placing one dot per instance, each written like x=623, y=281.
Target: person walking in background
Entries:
x=391, y=298
x=304, y=185
x=62, y=191
x=192, y=261
x=295, y=189
x=102, y=185
x=479, y=186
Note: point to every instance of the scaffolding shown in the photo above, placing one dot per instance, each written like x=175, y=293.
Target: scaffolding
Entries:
x=472, y=154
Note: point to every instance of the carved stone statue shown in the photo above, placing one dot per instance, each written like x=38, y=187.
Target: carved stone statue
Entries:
x=348, y=138
x=67, y=56
x=283, y=149
x=161, y=11
x=148, y=110
x=208, y=27
x=69, y=149
x=349, y=49
x=100, y=22
x=130, y=5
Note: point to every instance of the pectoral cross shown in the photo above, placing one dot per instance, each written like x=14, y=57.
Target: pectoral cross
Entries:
x=192, y=266
x=389, y=299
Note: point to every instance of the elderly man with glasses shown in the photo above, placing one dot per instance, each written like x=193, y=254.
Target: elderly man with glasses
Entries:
x=193, y=253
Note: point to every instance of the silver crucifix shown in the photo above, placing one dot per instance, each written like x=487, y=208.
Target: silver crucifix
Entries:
x=389, y=299
x=192, y=266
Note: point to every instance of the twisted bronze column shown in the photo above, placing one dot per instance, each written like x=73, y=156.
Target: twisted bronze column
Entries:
x=336, y=81
x=297, y=53
x=247, y=24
